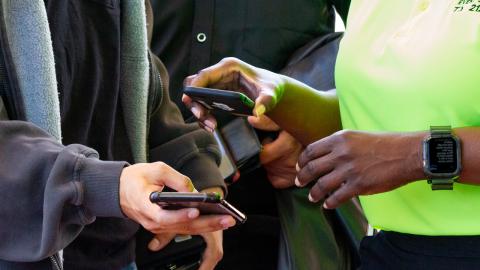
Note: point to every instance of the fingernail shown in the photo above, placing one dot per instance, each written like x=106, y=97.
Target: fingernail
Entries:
x=196, y=112
x=297, y=167
x=227, y=222
x=154, y=244
x=297, y=183
x=325, y=205
x=310, y=198
x=260, y=110
x=193, y=213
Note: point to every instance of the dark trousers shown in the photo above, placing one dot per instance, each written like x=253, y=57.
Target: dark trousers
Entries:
x=390, y=250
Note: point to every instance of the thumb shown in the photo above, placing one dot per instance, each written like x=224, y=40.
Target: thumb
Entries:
x=263, y=104
x=159, y=241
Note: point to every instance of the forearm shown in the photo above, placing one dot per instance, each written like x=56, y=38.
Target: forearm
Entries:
x=412, y=167
x=48, y=192
x=305, y=113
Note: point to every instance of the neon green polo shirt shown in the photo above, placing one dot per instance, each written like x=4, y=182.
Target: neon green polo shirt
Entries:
x=403, y=66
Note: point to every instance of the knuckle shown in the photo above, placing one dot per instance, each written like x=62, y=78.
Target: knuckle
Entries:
x=187, y=183
x=150, y=226
x=333, y=200
x=229, y=61
x=276, y=184
x=161, y=167
x=203, y=73
x=310, y=152
x=218, y=254
x=321, y=185
x=342, y=136
x=311, y=168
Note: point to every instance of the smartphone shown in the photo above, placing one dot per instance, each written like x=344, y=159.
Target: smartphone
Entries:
x=221, y=100
x=207, y=203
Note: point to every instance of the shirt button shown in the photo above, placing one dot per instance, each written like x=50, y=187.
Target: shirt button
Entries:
x=424, y=5
x=201, y=37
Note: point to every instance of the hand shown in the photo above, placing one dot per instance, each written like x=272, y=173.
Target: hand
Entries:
x=211, y=256
x=351, y=163
x=136, y=184
x=263, y=86
x=280, y=156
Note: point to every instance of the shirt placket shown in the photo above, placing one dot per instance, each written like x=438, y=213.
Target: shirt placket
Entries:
x=202, y=33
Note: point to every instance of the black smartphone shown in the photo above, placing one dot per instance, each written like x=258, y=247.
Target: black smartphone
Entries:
x=207, y=203
x=221, y=100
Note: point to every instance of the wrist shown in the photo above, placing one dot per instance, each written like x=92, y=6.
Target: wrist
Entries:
x=415, y=155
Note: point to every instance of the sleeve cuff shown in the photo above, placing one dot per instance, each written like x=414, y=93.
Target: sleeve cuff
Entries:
x=101, y=180
x=204, y=172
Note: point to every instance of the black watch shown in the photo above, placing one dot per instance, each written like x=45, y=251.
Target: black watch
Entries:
x=441, y=158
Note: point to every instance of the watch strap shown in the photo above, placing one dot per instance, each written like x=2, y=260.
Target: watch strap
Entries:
x=441, y=184
x=439, y=131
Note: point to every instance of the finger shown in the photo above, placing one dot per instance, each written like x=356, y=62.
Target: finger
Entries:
x=223, y=73
x=157, y=220
x=341, y=195
x=264, y=103
x=324, y=186
x=202, y=114
x=281, y=181
x=236, y=176
x=213, y=252
x=159, y=241
x=315, y=150
x=313, y=170
x=162, y=174
x=187, y=100
x=188, y=80
x=209, y=129
x=282, y=146
x=203, y=224
x=263, y=123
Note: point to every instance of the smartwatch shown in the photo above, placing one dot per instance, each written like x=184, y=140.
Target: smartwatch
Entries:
x=441, y=158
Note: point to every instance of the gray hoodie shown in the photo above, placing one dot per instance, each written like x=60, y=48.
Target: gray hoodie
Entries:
x=49, y=191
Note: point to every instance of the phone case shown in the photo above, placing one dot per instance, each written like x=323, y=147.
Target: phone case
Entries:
x=221, y=100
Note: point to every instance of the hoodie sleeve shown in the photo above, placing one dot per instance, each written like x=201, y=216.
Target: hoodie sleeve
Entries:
x=48, y=191
x=186, y=147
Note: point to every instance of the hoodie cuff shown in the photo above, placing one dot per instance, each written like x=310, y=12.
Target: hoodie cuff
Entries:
x=101, y=182
x=203, y=171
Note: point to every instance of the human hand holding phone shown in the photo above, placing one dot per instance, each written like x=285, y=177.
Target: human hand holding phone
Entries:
x=262, y=86
x=139, y=180
x=206, y=203
x=235, y=103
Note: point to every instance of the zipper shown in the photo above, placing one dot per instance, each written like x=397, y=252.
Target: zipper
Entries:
x=8, y=83
x=156, y=89
x=56, y=264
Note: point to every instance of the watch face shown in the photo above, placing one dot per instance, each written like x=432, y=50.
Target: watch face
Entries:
x=442, y=155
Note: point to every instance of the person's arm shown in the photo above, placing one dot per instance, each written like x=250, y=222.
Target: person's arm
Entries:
x=48, y=192
x=351, y=163
x=302, y=111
